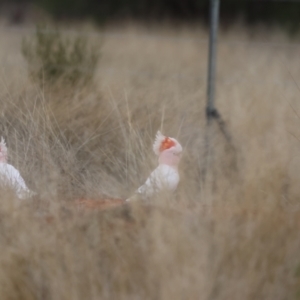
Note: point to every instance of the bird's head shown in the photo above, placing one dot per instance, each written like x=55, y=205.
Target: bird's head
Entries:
x=3, y=151
x=167, y=149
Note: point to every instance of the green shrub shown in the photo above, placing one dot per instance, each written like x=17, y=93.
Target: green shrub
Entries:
x=52, y=57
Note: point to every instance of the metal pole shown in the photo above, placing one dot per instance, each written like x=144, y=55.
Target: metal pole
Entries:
x=211, y=112
x=211, y=76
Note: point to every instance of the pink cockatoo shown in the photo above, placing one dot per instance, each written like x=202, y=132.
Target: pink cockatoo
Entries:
x=165, y=176
x=10, y=176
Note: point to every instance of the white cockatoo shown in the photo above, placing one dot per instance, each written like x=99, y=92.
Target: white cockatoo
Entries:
x=10, y=176
x=166, y=175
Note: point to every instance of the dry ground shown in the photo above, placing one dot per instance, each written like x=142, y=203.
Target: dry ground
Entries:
x=234, y=236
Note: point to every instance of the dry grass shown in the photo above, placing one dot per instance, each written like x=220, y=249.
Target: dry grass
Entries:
x=236, y=236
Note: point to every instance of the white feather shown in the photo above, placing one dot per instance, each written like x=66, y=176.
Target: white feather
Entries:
x=163, y=177
x=157, y=143
x=11, y=177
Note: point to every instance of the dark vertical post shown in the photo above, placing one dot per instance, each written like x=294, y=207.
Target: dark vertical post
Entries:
x=211, y=75
x=211, y=112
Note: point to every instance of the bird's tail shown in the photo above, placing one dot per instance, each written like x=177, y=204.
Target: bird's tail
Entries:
x=135, y=197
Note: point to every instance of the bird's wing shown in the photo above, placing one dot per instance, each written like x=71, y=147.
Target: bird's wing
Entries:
x=151, y=185
x=162, y=177
x=11, y=176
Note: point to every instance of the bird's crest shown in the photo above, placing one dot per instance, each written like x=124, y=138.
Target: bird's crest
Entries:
x=162, y=143
x=3, y=148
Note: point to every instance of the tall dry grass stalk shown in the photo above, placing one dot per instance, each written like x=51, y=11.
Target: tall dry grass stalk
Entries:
x=236, y=236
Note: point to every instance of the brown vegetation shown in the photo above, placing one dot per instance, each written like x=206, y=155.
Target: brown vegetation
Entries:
x=234, y=236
